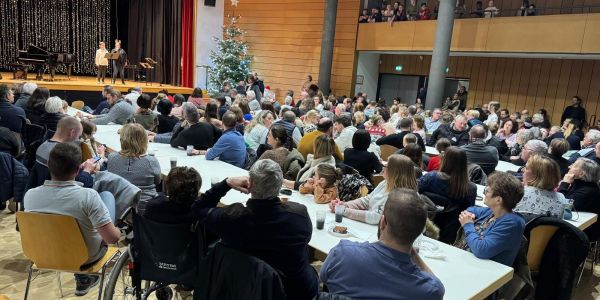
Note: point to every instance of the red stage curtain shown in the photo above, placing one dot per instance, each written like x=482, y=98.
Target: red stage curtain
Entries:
x=187, y=46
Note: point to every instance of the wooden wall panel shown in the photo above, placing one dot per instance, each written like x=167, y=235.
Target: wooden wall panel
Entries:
x=285, y=38
x=518, y=83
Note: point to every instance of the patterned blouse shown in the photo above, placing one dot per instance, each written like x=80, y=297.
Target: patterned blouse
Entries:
x=541, y=202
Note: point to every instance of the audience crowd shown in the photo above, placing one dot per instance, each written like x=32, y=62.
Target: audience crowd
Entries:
x=335, y=148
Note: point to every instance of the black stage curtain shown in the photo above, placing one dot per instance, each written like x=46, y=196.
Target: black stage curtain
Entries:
x=155, y=31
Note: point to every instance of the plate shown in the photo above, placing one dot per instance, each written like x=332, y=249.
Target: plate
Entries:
x=428, y=246
x=342, y=235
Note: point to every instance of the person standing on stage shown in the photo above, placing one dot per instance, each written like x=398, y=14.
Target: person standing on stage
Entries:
x=101, y=62
x=120, y=63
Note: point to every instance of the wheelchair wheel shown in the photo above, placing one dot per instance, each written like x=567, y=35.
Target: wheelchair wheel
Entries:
x=120, y=284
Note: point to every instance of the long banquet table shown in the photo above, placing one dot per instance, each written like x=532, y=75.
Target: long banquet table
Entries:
x=454, y=267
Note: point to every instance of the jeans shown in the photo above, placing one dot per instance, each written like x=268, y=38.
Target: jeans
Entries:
x=109, y=201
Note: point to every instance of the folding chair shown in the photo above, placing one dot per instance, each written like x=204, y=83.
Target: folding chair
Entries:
x=54, y=242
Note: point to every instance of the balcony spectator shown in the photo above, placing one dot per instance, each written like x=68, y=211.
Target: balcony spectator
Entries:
x=478, y=11
x=400, y=14
x=491, y=11
x=460, y=10
x=424, y=12
x=412, y=10
x=364, y=17
x=388, y=13
x=375, y=16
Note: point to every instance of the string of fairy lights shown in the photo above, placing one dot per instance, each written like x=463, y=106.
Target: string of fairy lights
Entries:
x=64, y=26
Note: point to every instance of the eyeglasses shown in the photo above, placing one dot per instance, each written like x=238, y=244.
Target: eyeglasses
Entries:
x=487, y=190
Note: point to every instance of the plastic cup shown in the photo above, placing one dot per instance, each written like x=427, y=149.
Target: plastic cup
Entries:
x=173, y=162
x=189, y=149
x=321, y=215
x=339, y=213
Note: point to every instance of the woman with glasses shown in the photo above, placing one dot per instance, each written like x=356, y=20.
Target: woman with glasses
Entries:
x=494, y=232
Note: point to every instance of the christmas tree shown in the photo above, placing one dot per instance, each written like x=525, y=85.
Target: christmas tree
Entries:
x=231, y=60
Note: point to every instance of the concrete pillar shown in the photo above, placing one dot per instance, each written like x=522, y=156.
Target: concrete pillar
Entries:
x=441, y=51
x=327, y=41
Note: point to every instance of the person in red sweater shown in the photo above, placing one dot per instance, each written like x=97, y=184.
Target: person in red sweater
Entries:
x=435, y=161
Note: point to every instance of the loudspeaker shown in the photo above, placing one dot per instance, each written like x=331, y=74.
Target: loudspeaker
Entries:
x=210, y=3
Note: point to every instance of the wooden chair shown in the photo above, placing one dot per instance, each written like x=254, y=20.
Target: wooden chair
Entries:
x=386, y=151
x=377, y=179
x=78, y=104
x=54, y=242
x=538, y=240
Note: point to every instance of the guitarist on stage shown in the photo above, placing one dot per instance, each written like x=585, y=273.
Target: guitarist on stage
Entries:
x=119, y=64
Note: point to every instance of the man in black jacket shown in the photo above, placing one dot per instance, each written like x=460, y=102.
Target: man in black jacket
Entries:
x=480, y=153
x=457, y=132
x=201, y=135
x=265, y=227
x=574, y=112
x=397, y=139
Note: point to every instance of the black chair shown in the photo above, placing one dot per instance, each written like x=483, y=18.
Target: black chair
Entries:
x=166, y=253
x=32, y=136
x=447, y=218
x=226, y=273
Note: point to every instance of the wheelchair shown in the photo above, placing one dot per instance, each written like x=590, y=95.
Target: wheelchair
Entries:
x=157, y=255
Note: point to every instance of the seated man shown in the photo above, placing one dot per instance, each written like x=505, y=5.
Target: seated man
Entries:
x=175, y=207
x=64, y=196
x=120, y=111
x=267, y=228
x=11, y=116
x=590, y=140
x=397, y=139
x=457, y=132
x=307, y=143
x=480, y=153
x=230, y=147
x=68, y=130
x=201, y=135
x=389, y=268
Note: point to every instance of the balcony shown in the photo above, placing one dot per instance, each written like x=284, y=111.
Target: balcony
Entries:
x=570, y=34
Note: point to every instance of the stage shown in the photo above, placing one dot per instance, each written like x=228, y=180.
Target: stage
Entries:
x=89, y=84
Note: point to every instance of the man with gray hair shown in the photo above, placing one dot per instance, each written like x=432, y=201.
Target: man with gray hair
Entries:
x=590, y=140
x=201, y=135
x=267, y=228
x=28, y=89
x=480, y=153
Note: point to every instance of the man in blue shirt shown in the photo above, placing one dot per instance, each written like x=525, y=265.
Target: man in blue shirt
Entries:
x=230, y=147
x=11, y=116
x=389, y=268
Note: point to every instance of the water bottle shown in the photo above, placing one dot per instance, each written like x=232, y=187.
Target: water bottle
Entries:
x=568, y=208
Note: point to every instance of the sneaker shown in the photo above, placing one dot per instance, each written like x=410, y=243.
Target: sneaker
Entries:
x=84, y=286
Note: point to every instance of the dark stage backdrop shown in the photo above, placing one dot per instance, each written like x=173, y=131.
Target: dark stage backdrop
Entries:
x=69, y=26
x=155, y=32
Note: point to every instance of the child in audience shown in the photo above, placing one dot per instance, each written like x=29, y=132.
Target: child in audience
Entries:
x=144, y=116
x=323, y=184
x=409, y=139
x=435, y=161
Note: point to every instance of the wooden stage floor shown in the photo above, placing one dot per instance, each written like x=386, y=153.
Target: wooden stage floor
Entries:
x=88, y=83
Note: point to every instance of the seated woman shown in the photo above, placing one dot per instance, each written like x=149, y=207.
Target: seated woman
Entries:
x=494, y=232
x=414, y=152
x=257, y=131
x=166, y=121
x=573, y=134
x=133, y=164
x=359, y=158
x=324, y=150
x=53, y=113
x=581, y=185
x=282, y=149
x=557, y=148
x=513, y=155
x=452, y=181
x=399, y=173
x=323, y=185
x=508, y=133
x=144, y=115
x=540, y=177
x=434, y=162
x=182, y=186
x=211, y=114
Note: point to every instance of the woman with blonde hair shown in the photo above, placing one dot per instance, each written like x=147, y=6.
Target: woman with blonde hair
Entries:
x=257, y=131
x=132, y=162
x=540, y=176
x=324, y=150
x=359, y=120
x=398, y=173
x=311, y=118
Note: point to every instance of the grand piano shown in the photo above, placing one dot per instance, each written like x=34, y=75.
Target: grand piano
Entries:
x=41, y=59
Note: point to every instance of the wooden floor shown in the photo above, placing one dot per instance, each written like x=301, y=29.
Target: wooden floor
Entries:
x=88, y=83
x=13, y=273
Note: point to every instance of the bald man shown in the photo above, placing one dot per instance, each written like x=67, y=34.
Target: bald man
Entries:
x=479, y=152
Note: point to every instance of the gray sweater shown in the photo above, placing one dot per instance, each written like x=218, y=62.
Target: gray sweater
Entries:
x=119, y=113
x=144, y=172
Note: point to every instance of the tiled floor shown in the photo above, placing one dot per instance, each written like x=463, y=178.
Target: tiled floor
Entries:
x=13, y=272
